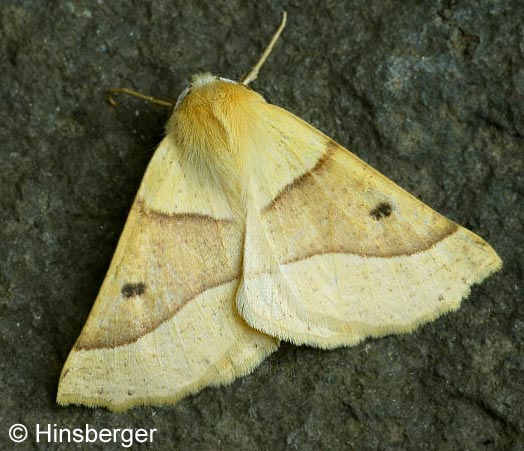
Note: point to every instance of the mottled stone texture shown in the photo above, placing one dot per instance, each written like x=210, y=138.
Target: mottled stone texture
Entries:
x=431, y=93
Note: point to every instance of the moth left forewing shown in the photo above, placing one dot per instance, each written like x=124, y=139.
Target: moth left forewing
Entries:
x=165, y=322
x=335, y=252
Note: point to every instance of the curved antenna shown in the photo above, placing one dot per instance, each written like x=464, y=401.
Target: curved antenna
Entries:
x=253, y=73
x=245, y=80
x=132, y=92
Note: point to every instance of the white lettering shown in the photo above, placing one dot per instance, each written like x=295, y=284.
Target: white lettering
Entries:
x=51, y=433
x=61, y=433
x=105, y=435
x=38, y=432
x=141, y=435
x=127, y=438
x=78, y=435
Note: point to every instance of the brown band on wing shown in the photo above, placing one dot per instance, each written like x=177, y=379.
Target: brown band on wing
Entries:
x=120, y=340
x=161, y=216
x=303, y=179
x=177, y=257
x=342, y=250
x=333, y=209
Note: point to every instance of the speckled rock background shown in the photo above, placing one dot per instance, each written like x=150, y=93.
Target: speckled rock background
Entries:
x=431, y=93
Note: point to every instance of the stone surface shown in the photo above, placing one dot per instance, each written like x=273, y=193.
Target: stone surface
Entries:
x=430, y=93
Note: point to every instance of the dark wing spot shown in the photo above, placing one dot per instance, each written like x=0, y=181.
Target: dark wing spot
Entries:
x=382, y=210
x=130, y=290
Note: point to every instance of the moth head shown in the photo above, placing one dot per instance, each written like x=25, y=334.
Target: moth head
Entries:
x=199, y=81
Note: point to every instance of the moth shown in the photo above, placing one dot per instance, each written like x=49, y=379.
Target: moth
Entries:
x=250, y=227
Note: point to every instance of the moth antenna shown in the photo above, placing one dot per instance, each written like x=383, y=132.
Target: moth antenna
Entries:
x=131, y=92
x=253, y=73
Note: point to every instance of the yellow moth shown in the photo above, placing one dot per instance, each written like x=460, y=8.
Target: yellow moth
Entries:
x=251, y=226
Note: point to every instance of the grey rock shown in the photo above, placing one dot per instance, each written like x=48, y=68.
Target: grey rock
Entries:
x=431, y=93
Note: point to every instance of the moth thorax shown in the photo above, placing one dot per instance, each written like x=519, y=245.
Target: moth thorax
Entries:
x=216, y=118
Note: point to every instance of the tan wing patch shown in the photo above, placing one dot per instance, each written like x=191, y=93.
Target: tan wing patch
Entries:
x=354, y=212
x=162, y=263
